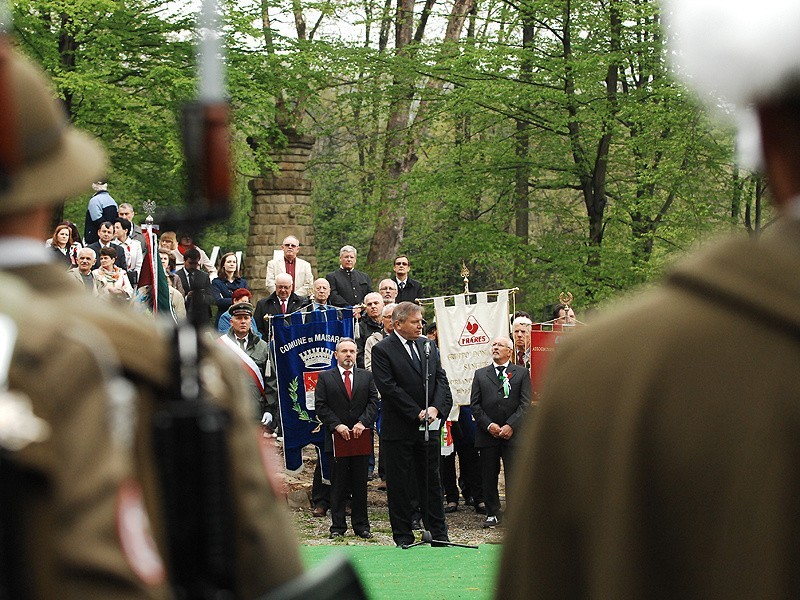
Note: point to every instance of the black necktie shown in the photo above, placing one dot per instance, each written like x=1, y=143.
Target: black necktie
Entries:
x=189, y=278
x=401, y=285
x=500, y=370
x=414, y=357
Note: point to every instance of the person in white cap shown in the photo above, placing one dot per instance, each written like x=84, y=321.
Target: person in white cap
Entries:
x=663, y=461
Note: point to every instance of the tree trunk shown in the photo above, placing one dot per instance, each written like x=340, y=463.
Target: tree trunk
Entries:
x=401, y=140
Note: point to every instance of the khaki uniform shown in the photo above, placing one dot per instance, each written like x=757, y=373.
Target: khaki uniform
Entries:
x=67, y=493
x=664, y=461
x=267, y=554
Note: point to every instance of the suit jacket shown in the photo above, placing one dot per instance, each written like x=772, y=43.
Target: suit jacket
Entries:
x=489, y=405
x=348, y=288
x=402, y=386
x=303, y=277
x=271, y=306
x=333, y=406
x=200, y=290
x=410, y=293
x=120, y=261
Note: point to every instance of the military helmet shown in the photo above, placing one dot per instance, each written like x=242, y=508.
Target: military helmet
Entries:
x=43, y=159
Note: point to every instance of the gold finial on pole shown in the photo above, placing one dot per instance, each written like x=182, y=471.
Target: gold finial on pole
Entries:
x=566, y=299
x=465, y=275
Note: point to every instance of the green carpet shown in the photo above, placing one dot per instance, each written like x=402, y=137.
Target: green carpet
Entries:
x=419, y=573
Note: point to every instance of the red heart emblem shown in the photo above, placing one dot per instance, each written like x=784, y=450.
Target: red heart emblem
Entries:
x=472, y=328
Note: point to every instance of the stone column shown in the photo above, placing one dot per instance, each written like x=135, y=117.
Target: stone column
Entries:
x=281, y=207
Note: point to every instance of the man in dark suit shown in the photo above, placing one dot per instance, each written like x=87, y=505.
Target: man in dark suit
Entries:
x=283, y=301
x=196, y=283
x=347, y=404
x=399, y=364
x=348, y=286
x=106, y=233
x=408, y=290
x=501, y=394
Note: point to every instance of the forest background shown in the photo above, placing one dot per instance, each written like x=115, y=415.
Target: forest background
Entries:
x=543, y=143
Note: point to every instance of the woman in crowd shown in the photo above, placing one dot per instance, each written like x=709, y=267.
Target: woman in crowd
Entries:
x=226, y=283
x=112, y=283
x=61, y=243
x=169, y=242
x=168, y=262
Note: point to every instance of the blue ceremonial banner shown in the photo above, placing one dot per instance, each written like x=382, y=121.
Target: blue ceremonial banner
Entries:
x=304, y=343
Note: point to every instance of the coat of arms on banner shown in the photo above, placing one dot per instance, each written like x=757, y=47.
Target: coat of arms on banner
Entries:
x=473, y=334
x=303, y=346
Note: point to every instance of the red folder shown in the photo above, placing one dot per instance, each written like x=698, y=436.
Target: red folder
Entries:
x=354, y=446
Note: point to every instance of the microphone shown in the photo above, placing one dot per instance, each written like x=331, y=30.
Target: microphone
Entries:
x=427, y=348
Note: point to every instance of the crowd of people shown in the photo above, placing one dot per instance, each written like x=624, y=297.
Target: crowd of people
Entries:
x=109, y=267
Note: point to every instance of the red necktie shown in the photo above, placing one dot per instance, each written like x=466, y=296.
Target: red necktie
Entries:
x=283, y=306
x=347, y=385
x=520, y=357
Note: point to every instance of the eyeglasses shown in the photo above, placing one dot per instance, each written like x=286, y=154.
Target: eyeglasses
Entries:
x=386, y=288
x=401, y=264
x=291, y=245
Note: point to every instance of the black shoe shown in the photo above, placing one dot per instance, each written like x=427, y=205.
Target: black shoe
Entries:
x=365, y=535
x=491, y=521
x=336, y=535
x=415, y=525
x=451, y=507
x=480, y=508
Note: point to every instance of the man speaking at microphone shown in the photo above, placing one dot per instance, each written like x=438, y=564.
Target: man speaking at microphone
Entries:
x=400, y=363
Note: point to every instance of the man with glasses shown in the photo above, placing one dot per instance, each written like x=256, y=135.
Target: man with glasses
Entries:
x=388, y=290
x=408, y=290
x=286, y=261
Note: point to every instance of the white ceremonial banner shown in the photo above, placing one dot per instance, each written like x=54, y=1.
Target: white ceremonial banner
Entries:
x=466, y=332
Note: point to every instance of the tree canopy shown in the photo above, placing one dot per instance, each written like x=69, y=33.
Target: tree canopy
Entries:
x=542, y=143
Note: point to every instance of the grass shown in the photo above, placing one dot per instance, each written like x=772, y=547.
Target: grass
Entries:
x=421, y=573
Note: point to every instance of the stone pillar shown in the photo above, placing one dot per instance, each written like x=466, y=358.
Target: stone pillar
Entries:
x=281, y=207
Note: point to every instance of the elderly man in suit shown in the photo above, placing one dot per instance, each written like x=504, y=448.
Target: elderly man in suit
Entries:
x=400, y=363
x=297, y=268
x=283, y=301
x=347, y=404
x=501, y=394
x=348, y=284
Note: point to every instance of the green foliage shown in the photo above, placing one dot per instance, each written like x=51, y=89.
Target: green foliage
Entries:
x=125, y=67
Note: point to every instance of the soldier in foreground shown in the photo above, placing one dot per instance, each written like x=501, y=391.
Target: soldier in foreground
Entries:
x=86, y=478
x=664, y=461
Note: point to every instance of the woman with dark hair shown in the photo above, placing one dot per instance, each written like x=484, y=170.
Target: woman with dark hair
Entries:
x=61, y=244
x=227, y=282
x=112, y=283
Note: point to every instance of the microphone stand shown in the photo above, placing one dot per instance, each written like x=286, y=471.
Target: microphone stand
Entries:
x=427, y=538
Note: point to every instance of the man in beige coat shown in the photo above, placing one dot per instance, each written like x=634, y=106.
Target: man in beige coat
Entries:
x=82, y=504
x=664, y=460
x=287, y=261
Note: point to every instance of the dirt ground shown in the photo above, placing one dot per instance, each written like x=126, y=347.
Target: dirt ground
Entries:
x=464, y=525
